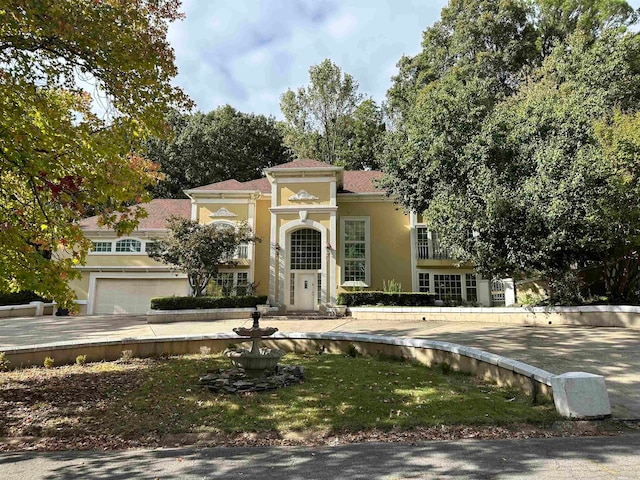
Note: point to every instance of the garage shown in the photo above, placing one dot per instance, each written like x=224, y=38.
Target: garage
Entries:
x=132, y=295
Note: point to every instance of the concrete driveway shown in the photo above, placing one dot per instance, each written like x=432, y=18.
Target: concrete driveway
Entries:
x=611, y=352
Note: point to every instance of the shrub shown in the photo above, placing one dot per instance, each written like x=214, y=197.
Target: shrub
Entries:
x=352, y=350
x=81, y=359
x=126, y=356
x=187, y=303
x=4, y=362
x=48, y=362
x=356, y=299
x=19, y=298
x=205, y=350
x=391, y=286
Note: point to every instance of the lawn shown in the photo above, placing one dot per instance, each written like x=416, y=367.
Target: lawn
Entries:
x=142, y=402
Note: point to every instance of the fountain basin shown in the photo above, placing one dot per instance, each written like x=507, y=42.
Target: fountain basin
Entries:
x=265, y=359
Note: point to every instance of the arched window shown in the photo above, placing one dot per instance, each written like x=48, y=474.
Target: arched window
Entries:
x=128, y=245
x=306, y=250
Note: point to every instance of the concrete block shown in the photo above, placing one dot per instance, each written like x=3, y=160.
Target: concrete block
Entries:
x=580, y=395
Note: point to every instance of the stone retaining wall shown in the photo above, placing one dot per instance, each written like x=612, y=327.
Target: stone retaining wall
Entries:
x=502, y=370
x=596, y=316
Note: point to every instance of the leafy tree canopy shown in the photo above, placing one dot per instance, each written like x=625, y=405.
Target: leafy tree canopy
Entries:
x=331, y=122
x=60, y=158
x=198, y=250
x=216, y=146
x=529, y=160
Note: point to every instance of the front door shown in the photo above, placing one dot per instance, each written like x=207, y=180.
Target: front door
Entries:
x=305, y=291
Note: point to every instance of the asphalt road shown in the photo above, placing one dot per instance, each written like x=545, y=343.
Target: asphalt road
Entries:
x=552, y=458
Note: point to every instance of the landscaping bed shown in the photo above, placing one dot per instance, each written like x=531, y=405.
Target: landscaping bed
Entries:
x=151, y=402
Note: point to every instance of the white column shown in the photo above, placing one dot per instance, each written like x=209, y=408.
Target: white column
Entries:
x=509, y=292
x=332, y=284
x=413, y=238
x=484, y=292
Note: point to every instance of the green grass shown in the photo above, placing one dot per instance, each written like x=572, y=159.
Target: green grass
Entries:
x=339, y=394
x=148, y=398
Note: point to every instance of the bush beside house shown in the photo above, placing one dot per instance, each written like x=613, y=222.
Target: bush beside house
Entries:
x=188, y=303
x=400, y=299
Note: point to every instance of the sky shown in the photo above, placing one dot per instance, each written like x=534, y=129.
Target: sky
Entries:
x=249, y=52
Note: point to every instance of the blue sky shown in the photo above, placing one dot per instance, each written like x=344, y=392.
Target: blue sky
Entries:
x=248, y=52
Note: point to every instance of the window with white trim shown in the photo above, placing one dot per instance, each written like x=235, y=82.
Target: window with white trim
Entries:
x=128, y=245
x=423, y=282
x=102, y=247
x=355, y=251
x=306, y=250
x=447, y=287
x=229, y=284
x=471, y=284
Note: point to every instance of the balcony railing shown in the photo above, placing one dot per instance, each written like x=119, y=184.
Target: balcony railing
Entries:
x=428, y=247
x=242, y=251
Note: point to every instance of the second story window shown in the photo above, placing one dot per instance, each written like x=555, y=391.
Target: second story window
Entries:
x=355, y=244
x=102, y=247
x=128, y=245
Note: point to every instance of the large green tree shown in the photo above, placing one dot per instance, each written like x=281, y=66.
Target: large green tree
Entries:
x=499, y=146
x=330, y=121
x=58, y=157
x=216, y=146
x=199, y=250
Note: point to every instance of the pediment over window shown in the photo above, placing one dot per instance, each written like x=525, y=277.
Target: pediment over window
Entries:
x=222, y=212
x=302, y=195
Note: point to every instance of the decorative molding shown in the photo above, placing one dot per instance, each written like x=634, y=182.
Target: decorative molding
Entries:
x=303, y=215
x=222, y=212
x=302, y=195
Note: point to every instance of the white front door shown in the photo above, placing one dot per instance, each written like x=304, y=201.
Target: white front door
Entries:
x=305, y=289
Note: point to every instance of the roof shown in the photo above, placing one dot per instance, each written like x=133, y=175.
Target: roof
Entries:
x=353, y=182
x=158, y=211
x=361, y=182
x=261, y=185
x=303, y=163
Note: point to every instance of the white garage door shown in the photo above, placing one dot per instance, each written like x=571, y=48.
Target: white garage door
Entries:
x=122, y=295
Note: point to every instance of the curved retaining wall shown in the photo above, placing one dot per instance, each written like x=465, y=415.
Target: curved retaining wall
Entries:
x=502, y=370
x=575, y=394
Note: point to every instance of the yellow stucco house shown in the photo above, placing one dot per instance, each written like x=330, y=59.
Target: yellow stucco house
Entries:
x=323, y=230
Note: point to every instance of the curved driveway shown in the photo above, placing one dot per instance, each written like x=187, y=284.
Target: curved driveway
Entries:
x=611, y=352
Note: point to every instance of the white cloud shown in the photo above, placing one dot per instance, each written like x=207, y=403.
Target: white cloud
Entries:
x=343, y=25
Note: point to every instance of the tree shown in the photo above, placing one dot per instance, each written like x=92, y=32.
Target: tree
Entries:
x=198, y=250
x=513, y=173
x=59, y=158
x=330, y=121
x=216, y=146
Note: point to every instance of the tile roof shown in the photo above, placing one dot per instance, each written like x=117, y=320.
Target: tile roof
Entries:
x=158, y=211
x=361, y=182
x=303, y=163
x=261, y=184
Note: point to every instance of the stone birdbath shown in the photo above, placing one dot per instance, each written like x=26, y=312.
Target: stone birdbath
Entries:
x=257, y=360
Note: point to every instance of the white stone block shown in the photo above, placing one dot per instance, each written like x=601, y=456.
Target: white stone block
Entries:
x=580, y=395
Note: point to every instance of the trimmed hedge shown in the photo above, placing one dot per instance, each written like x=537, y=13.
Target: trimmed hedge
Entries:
x=188, y=303
x=409, y=299
x=19, y=298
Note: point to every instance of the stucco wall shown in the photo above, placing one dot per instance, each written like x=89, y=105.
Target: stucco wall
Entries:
x=390, y=241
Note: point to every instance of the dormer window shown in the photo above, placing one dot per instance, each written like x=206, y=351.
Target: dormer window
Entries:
x=128, y=245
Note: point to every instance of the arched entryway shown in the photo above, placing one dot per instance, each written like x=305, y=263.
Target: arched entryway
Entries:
x=305, y=269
